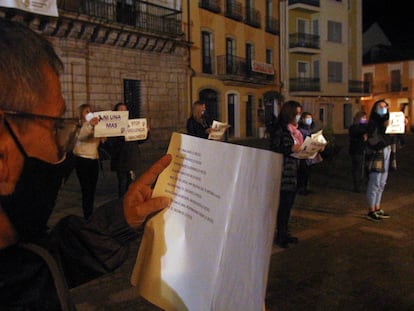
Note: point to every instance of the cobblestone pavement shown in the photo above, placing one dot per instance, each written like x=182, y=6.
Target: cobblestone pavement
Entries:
x=342, y=262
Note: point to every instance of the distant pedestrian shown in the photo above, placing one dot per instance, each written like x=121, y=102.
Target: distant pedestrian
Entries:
x=125, y=157
x=383, y=149
x=199, y=124
x=307, y=127
x=87, y=158
x=287, y=139
x=358, y=135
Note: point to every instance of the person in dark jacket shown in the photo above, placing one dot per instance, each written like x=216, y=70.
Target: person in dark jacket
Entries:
x=199, y=124
x=382, y=159
x=125, y=157
x=287, y=139
x=38, y=265
x=307, y=127
x=358, y=136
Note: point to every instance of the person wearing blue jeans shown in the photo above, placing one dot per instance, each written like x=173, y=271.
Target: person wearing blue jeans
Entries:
x=382, y=148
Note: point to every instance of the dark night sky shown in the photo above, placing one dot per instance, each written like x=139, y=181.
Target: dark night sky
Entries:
x=396, y=18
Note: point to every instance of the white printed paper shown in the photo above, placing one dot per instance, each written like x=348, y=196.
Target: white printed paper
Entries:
x=396, y=123
x=43, y=7
x=218, y=129
x=211, y=249
x=137, y=129
x=111, y=123
x=311, y=146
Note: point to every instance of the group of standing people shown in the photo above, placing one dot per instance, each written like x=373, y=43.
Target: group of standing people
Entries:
x=372, y=152
x=124, y=155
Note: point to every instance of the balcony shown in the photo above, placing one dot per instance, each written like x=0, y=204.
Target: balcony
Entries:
x=210, y=5
x=356, y=86
x=272, y=25
x=304, y=85
x=235, y=69
x=234, y=10
x=308, y=2
x=252, y=17
x=142, y=15
x=303, y=41
x=304, y=5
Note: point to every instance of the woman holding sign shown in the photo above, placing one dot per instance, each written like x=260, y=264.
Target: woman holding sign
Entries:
x=382, y=148
x=125, y=157
x=87, y=158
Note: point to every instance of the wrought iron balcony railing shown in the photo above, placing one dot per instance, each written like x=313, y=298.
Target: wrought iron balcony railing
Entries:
x=234, y=10
x=304, y=85
x=272, y=25
x=252, y=17
x=356, y=86
x=308, y=2
x=211, y=5
x=143, y=15
x=304, y=40
x=235, y=68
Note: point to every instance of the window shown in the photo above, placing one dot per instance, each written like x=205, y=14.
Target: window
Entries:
x=249, y=56
x=347, y=115
x=230, y=56
x=269, y=56
x=249, y=116
x=302, y=26
x=334, y=32
x=334, y=72
x=316, y=69
x=303, y=70
x=206, y=49
x=395, y=80
x=132, y=97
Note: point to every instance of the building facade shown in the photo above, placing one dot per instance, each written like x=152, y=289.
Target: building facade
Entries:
x=321, y=58
x=113, y=51
x=392, y=81
x=234, y=60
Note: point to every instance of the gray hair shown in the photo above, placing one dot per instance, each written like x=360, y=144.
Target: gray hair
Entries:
x=23, y=52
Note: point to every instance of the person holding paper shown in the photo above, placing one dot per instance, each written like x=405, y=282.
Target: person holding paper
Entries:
x=357, y=148
x=37, y=263
x=382, y=148
x=199, y=124
x=125, y=157
x=87, y=158
x=307, y=127
x=287, y=139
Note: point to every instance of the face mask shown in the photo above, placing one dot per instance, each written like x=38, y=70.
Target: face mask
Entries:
x=363, y=121
x=34, y=196
x=297, y=118
x=382, y=111
x=308, y=121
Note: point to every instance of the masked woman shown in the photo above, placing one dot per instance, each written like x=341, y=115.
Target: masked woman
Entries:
x=287, y=139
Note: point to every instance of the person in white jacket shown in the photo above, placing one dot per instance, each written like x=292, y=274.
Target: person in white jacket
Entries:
x=87, y=159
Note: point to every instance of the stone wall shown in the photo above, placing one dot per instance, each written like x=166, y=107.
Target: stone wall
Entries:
x=94, y=74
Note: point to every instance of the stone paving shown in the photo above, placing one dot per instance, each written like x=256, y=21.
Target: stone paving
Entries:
x=342, y=262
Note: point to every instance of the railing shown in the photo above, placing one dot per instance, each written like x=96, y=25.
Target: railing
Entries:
x=304, y=85
x=231, y=67
x=304, y=40
x=142, y=15
x=309, y=2
x=356, y=86
x=210, y=5
x=272, y=25
x=252, y=17
x=234, y=10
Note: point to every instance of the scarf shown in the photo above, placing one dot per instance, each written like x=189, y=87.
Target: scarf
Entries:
x=296, y=134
